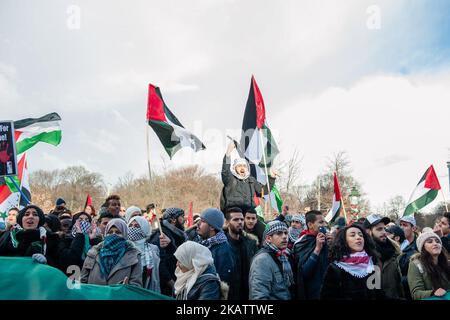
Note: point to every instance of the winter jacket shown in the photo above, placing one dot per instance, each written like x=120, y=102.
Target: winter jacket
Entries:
x=403, y=261
x=129, y=267
x=25, y=247
x=310, y=268
x=237, y=192
x=266, y=278
x=243, y=251
x=420, y=281
x=207, y=286
x=168, y=261
x=223, y=260
x=341, y=285
x=391, y=275
x=70, y=250
x=192, y=234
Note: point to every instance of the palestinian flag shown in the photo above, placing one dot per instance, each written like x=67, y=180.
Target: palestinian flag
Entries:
x=257, y=139
x=30, y=131
x=337, y=202
x=425, y=192
x=169, y=130
x=275, y=199
x=9, y=193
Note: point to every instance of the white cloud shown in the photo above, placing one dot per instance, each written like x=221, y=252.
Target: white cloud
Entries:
x=392, y=127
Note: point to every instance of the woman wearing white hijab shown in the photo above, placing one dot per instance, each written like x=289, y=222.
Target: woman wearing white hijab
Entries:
x=139, y=229
x=196, y=276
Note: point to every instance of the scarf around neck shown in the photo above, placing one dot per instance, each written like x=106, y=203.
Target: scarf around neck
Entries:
x=358, y=264
x=42, y=244
x=138, y=237
x=219, y=238
x=180, y=233
x=281, y=255
x=114, y=248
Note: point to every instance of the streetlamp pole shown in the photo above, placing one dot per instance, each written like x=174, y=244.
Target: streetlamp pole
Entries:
x=448, y=167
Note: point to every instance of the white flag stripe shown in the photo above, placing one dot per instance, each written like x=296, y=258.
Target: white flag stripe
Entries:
x=37, y=128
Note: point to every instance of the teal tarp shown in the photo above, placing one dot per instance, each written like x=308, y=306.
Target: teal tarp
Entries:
x=23, y=279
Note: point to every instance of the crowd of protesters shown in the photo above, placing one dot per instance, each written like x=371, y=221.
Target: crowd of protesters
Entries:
x=231, y=253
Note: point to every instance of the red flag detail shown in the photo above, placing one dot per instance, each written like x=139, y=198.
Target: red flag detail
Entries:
x=190, y=216
x=259, y=102
x=155, y=105
x=431, y=179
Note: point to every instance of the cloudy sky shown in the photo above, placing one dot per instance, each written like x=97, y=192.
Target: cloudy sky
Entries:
x=368, y=77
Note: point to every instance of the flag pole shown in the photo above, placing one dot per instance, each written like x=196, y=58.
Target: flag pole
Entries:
x=445, y=200
x=148, y=153
x=15, y=184
x=343, y=208
x=265, y=168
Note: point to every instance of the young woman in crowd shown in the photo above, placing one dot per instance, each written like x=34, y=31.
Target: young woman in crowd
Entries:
x=196, y=276
x=139, y=230
x=353, y=260
x=429, y=270
x=116, y=260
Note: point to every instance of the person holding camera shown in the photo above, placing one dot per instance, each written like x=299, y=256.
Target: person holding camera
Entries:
x=311, y=256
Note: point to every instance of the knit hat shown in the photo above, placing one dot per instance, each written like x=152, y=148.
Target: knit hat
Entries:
x=38, y=210
x=60, y=201
x=409, y=219
x=119, y=224
x=172, y=213
x=273, y=227
x=424, y=237
x=214, y=217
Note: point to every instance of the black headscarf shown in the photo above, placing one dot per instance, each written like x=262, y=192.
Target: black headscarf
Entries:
x=38, y=210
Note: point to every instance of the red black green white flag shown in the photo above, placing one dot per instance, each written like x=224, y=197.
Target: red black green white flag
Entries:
x=337, y=202
x=425, y=192
x=257, y=139
x=167, y=127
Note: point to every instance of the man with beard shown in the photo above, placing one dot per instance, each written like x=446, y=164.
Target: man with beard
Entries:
x=212, y=236
x=388, y=251
x=296, y=228
x=172, y=236
x=244, y=248
x=271, y=276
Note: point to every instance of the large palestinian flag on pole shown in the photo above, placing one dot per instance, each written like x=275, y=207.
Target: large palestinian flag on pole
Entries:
x=425, y=192
x=337, y=202
x=255, y=128
x=167, y=127
x=31, y=131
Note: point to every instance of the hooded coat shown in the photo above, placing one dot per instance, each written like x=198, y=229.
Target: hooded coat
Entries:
x=239, y=192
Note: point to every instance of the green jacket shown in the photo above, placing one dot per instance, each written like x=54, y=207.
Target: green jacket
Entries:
x=420, y=281
x=391, y=275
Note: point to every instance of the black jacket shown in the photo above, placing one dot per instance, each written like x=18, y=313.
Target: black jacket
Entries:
x=168, y=262
x=341, y=285
x=237, y=192
x=243, y=250
x=70, y=251
x=446, y=243
x=25, y=247
x=310, y=268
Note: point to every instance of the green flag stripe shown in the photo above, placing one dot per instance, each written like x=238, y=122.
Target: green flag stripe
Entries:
x=421, y=202
x=53, y=137
x=164, y=131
